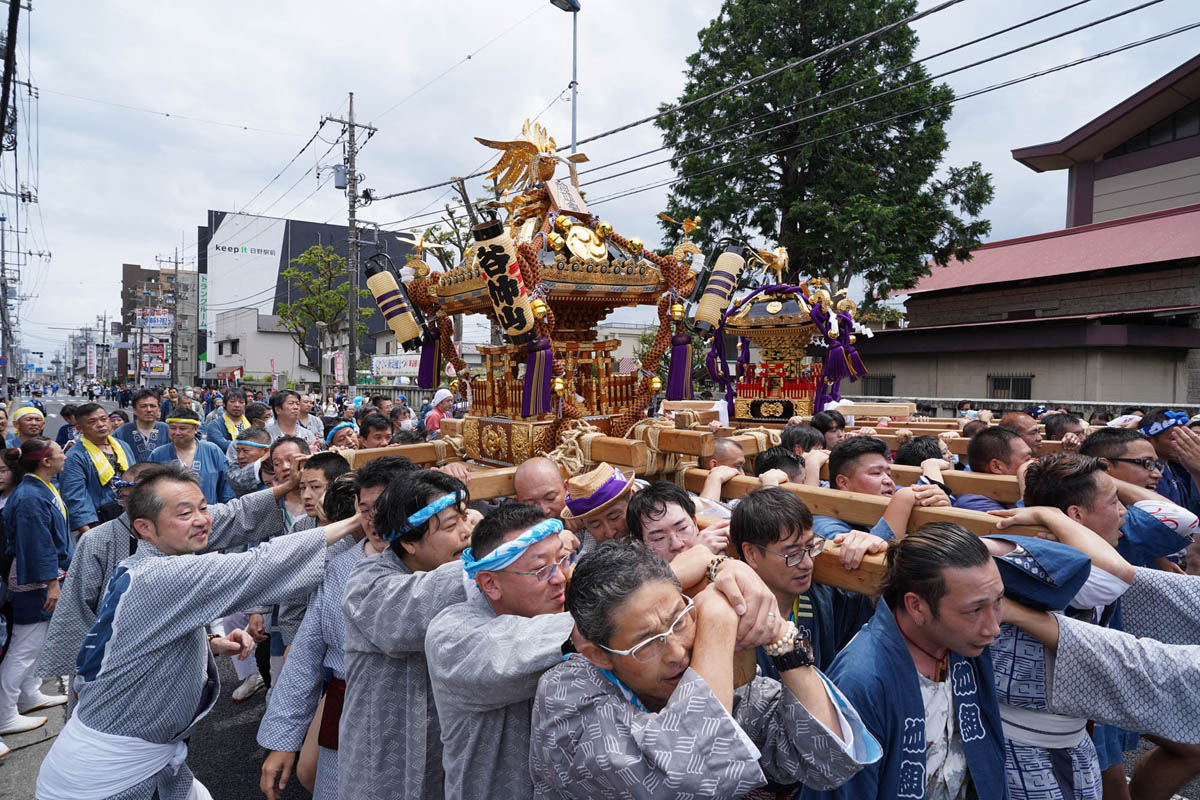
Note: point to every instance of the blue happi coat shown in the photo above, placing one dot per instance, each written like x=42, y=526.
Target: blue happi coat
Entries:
x=209, y=464
x=142, y=447
x=876, y=673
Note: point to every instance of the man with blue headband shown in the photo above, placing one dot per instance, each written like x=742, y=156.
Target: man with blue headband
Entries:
x=486, y=654
x=1178, y=449
x=389, y=742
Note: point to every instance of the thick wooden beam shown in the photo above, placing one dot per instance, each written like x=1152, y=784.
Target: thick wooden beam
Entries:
x=620, y=452
x=424, y=453
x=857, y=508
x=688, y=443
x=452, y=427
x=866, y=579
x=488, y=484
x=998, y=487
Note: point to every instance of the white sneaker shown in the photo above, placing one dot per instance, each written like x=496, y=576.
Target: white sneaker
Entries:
x=40, y=700
x=248, y=688
x=20, y=724
x=4, y=749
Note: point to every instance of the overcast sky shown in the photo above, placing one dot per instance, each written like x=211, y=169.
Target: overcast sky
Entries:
x=120, y=186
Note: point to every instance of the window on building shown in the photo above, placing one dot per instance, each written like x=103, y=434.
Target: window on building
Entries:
x=220, y=348
x=233, y=347
x=1010, y=387
x=878, y=385
x=1183, y=124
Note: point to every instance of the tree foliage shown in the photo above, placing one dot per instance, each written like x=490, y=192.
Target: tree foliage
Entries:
x=874, y=202
x=318, y=280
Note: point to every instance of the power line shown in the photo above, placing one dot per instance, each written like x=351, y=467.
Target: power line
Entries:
x=839, y=89
x=958, y=98
x=713, y=95
x=456, y=64
x=800, y=62
x=169, y=114
x=876, y=96
x=291, y=161
x=844, y=106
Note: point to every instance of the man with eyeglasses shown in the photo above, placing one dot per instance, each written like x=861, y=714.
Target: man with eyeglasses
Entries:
x=486, y=654
x=772, y=531
x=648, y=706
x=1129, y=454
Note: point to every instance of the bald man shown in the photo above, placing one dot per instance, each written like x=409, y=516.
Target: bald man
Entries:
x=1024, y=426
x=538, y=482
x=726, y=453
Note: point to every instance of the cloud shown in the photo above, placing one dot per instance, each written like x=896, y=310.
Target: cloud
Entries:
x=119, y=186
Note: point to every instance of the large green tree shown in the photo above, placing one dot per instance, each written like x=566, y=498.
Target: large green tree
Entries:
x=876, y=202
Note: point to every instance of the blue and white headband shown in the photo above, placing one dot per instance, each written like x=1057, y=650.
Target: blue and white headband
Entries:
x=425, y=514
x=248, y=443
x=511, y=550
x=1174, y=419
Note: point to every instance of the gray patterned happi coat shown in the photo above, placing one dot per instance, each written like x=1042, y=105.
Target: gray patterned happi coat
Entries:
x=146, y=670
x=1148, y=684
x=485, y=669
x=238, y=522
x=589, y=741
x=389, y=742
x=316, y=648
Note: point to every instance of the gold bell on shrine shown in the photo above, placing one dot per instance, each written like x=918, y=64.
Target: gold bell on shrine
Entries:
x=677, y=311
x=556, y=241
x=635, y=245
x=539, y=308
x=656, y=384
x=604, y=229
x=558, y=386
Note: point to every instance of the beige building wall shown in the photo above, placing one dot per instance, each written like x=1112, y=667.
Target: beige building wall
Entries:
x=1130, y=374
x=1154, y=189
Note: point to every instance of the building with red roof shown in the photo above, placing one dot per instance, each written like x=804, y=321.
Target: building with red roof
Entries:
x=1105, y=310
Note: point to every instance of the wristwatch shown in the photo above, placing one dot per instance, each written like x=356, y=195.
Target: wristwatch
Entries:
x=799, y=656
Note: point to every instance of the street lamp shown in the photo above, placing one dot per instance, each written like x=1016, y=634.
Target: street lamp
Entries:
x=321, y=328
x=572, y=7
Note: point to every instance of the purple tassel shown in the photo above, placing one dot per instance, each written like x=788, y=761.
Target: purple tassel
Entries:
x=679, y=376
x=431, y=360
x=539, y=370
x=710, y=363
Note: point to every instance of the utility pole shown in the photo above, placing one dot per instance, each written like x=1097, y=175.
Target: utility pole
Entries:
x=102, y=368
x=174, y=262
x=5, y=319
x=352, y=236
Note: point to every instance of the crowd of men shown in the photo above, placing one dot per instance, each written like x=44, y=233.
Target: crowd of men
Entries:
x=597, y=636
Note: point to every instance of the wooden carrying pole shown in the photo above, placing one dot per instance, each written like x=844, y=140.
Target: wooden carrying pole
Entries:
x=857, y=508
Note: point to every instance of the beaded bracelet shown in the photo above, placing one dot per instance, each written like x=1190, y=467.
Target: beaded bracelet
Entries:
x=712, y=567
x=785, y=643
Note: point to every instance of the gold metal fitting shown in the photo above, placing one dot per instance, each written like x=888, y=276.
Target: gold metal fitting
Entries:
x=604, y=229
x=555, y=240
x=539, y=308
x=635, y=246
x=564, y=222
x=656, y=384
x=677, y=312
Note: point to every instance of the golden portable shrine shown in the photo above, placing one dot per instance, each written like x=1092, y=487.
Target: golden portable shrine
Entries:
x=546, y=275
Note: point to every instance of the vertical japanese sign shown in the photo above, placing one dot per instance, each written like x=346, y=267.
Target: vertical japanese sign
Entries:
x=91, y=360
x=339, y=367
x=497, y=257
